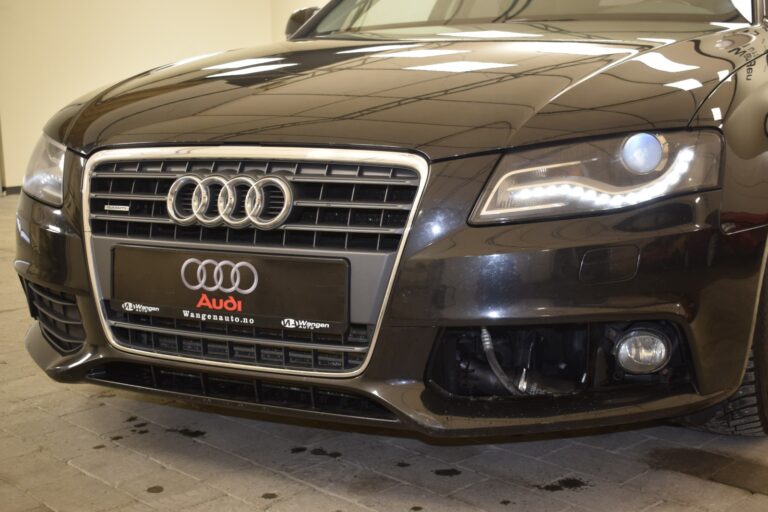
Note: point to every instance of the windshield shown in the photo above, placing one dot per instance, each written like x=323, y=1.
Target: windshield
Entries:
x=349, y=16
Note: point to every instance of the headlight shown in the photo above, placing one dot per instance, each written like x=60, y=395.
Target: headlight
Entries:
x=45, y=173
x=598, y=176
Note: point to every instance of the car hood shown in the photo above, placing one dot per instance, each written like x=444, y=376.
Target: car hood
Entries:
x=475, y=91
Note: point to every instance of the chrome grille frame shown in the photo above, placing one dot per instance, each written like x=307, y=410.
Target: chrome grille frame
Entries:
x=319, y=155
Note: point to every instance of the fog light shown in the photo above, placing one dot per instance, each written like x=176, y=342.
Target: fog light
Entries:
x=642, y=352
x=644, y=153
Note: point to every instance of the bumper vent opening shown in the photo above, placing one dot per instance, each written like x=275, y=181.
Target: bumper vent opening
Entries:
x=241, y=390
x=59, y=317
x=282, y=349
x=549, y=360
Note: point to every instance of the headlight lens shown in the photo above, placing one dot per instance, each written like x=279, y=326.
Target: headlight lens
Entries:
x=45, y=174
x=597, y=176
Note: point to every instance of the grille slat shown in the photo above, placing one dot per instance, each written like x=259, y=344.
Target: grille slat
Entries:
x=341, y=206
x=129, y=197
x=59, y=317
x=240, y=344
x=237, y=339
x=242, y=390
x=352, y=204
x=346, y=229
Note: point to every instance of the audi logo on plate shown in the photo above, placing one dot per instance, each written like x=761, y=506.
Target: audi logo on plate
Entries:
x=219, y=276
x=239, y=201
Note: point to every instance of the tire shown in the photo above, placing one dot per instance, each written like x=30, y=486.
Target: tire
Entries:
x=746, y=412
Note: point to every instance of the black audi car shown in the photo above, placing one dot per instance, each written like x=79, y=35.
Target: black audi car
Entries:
x=459, y=218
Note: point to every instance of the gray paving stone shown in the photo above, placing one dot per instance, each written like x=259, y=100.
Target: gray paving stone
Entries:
x=597, y=462
x=257, y=485
x=99, y=420
x=407, y=498
x=36, y=468
x=115, y=465
x=432, y=474
x=498, y=496
x=669, y=506
x=167, y=489
x=755, y=503
x=79, y=492
x=345, y=478
x=679, y=435
x=601, y=496
x=518, y=469
x=367, y=451
x=69, y=441
x=31, y=422
x=13, y=446
x=135, y=507
x=28, y=387
x=613, y=442
x=749, y=448
x=283, y=455
x=16, y=500
x=446, y=453
x=535, y=449
x=223, y=504
x=173, y=414
x=200, y=460
x=225, y=434
x=63, y=402
x=294, y=433
x=680, y=488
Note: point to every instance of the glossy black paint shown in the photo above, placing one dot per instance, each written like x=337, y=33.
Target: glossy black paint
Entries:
x=700, y=256
x=575, y=79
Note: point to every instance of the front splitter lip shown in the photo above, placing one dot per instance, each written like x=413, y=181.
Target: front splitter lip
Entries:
x=415, y=406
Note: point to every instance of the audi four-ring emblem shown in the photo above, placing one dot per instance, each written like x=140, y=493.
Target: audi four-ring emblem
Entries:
x=238, y=201
x=219, y=276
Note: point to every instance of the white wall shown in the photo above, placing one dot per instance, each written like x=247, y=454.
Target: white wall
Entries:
x=53, y=51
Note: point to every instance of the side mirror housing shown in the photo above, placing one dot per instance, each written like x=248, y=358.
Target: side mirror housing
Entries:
x=299, y=18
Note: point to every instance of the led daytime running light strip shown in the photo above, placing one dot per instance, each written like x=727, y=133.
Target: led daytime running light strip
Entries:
x=562, y=193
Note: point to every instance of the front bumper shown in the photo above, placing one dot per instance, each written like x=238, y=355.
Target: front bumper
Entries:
x=452, y=275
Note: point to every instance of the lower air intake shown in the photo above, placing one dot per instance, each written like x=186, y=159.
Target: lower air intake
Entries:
x=59, y=317
x=241, y=390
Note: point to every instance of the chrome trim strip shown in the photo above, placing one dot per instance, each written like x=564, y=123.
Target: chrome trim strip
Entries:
x=414, y=162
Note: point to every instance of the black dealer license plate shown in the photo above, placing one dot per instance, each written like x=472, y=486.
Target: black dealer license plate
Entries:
x=274, y=292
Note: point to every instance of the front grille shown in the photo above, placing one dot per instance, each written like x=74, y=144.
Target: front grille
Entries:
x=354, y=205
x=241, y=390
x=59, y=317
x=246, y=345
x=336, y=206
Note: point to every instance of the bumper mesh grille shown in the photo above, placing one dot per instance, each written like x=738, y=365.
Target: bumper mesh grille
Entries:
x=336, y=206
x=245, y=345
x=242, y=390
x=59, y=317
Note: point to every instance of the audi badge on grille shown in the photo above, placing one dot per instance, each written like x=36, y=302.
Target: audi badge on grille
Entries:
x=239, y=201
